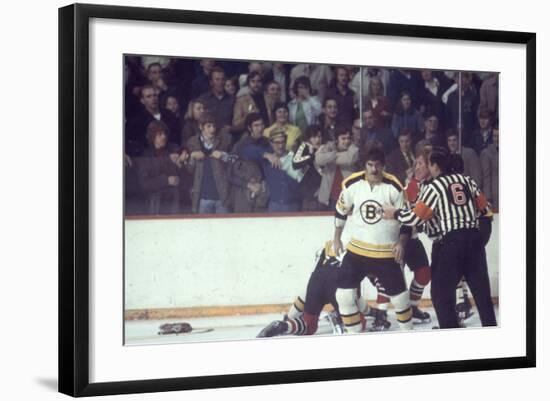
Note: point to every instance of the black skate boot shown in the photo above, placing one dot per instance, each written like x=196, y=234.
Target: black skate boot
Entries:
x=275, y=328
x=419, y=316
x=463, y=311
x=381, y=322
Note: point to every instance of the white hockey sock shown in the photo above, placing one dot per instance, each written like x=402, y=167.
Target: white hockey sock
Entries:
x=403, y=310
x=349, y=311
x=296, y=309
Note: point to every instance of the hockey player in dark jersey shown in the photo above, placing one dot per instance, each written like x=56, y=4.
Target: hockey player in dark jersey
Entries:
x=303, y=316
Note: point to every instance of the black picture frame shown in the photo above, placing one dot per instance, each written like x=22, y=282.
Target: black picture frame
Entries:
x=74, y=194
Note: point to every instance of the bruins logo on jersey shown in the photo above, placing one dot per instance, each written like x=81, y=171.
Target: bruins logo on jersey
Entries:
x=371, y=211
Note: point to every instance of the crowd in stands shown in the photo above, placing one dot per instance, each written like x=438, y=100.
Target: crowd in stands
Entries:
x=213, y=136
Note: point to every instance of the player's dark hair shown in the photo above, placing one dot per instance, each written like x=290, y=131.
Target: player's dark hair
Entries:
x=372, y=151
x=441, y=157
x=252, y=118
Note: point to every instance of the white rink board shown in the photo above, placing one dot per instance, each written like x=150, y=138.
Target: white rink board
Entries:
x=175, y=263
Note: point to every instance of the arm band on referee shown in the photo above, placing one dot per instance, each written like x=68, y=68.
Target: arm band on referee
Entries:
x=396, y=214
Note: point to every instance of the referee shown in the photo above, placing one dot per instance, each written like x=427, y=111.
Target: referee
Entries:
x=452, y=202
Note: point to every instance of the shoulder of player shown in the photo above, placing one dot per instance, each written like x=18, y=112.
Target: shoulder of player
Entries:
x=392, y=180
x=442, y=183
x=352, y=179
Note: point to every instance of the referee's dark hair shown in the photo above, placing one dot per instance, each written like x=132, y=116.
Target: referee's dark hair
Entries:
x=440, y=156
x=373, y=151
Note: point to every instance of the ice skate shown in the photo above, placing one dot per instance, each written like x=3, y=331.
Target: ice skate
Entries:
x=381, y=322
x=275, y=328
x=463, y=311
x=420, y=316
x=335, y=322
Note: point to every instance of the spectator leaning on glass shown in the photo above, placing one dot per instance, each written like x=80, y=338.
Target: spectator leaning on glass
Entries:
x=337, y=160
x=281, y=178
x=159, y=171
x=248, y=189
x=208, y=161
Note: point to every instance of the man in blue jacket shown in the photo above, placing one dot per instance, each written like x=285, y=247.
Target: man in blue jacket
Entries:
x=281, y=178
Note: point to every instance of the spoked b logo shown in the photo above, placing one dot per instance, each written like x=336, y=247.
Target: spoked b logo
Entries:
x=371, y=212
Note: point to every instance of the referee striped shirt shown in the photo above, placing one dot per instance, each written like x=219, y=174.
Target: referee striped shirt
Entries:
x=430, y=227
x=448, y=203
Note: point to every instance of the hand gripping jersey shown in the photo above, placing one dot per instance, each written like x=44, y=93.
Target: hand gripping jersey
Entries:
x=371, y=235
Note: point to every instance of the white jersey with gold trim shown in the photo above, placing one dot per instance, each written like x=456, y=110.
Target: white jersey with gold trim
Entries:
x=371, y=235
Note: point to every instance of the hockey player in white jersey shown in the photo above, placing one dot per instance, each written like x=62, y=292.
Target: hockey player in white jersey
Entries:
x=376, y=247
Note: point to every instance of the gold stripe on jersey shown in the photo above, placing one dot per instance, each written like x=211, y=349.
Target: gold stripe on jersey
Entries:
x=393, y=180
x=360, y=175
x=351, y=320
x=361, y=248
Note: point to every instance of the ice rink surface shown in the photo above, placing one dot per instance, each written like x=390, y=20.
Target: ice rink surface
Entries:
x=145, y=332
